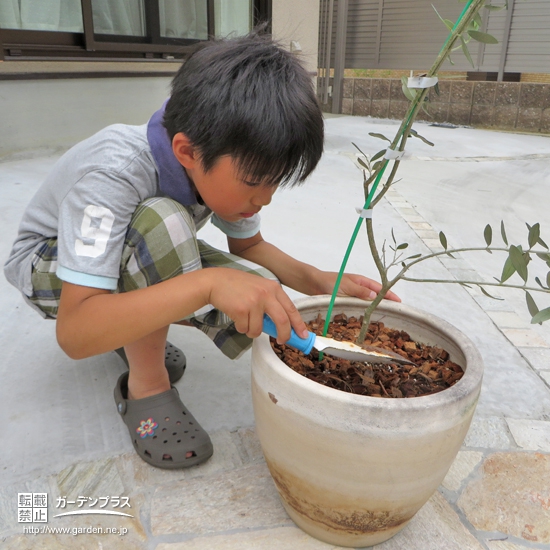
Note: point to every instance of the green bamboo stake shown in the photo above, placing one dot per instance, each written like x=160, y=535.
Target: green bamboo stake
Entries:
x=405, y=126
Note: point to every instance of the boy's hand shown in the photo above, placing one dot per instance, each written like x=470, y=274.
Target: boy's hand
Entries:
x=245, y=298
x=355, y=286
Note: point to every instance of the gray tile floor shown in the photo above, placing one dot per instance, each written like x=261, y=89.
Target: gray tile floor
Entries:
x=62, y=435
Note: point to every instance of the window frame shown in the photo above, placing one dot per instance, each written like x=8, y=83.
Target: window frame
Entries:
x=31, y=45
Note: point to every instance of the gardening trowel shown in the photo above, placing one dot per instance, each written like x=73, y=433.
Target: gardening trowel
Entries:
x=344, y=350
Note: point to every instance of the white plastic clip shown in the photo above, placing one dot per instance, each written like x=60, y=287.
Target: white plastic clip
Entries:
x=391, y=154
x=295, y=46
x=421, y=81
x=365, y=214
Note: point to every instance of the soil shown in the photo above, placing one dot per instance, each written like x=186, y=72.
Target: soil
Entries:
x=431, y=372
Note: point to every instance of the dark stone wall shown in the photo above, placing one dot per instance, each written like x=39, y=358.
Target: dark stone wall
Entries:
x=521, y=106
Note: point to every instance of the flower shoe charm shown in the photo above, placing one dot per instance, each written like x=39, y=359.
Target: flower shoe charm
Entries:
x=147, y=427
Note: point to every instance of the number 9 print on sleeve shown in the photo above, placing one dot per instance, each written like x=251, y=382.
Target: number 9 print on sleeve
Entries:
x=95, y=231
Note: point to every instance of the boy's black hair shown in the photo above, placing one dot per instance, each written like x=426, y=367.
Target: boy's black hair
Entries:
x=248, y=98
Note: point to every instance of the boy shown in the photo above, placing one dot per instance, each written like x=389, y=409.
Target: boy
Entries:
x=108, y=245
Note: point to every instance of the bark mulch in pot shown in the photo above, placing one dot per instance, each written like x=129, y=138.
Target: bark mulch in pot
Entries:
x=432, y=371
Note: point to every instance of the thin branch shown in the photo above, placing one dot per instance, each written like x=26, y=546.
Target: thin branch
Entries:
x=403, y=131
x=398, y=144
x=387, y=185
x=474, y=283
x=374, y=251
x=468, y=249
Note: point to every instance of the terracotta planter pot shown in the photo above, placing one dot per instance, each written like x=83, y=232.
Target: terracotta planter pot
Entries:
x=353, y=470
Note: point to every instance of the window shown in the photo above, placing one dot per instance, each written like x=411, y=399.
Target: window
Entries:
x=76, y=29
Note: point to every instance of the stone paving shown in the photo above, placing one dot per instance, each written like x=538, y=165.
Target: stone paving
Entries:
x=496, y=495
x=496, y=498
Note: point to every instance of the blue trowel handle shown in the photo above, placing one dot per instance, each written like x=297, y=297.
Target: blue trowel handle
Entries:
x=302, y=344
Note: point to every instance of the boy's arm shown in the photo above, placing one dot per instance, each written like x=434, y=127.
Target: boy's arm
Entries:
x=92, y=321
x=300, y=276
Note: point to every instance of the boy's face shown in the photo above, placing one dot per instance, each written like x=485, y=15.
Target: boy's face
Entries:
x=227, y=193
x=223, y=189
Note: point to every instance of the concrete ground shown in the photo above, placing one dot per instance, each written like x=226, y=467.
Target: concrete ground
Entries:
x=62, y=434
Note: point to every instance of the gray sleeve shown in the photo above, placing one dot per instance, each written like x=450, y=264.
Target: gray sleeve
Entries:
x=93, y=219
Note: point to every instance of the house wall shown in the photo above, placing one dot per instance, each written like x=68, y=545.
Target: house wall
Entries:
x=44, y=114
x=47, y=115
x=403, y=34
x=298, y=20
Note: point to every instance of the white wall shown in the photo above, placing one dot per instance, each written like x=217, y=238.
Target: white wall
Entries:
x=298, y=20
x=47, y=115
x=52, y=114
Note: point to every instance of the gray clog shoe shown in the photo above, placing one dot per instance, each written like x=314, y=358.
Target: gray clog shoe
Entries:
x=162, y=429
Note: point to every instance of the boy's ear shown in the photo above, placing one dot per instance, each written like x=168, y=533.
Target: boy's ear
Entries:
x=184, y=151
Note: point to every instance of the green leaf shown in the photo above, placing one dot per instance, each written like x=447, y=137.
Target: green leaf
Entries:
x=443, y=240
x=477, y=21
x=425, y=109
x=548, y=279
x=436, y=89
x=518, y=261
x=544, y=256
x=541, y=316
x=493, y=8
x=393, y=236
x=538, y=281
x=363, y=163
x=487, y=294
x=488, y=234
x=413, y=257
x=448, y=24
x=377, y=165
x=379, y=136
x=503, y=233
x=531, y=306
x=464, y=284
x=466, y=51
x=415, y=134
x=409, y=94
x=357, y=147
x=459, y=47
x=542, y=243
x=534, y=235
x=402, y=246
x=507, y=271
x=378, y=155
x=483, y=37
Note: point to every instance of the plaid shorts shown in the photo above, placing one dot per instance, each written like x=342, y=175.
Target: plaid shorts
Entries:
x=160, y=243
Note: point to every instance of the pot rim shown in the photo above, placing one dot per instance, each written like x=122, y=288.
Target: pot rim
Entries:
x=468, y=384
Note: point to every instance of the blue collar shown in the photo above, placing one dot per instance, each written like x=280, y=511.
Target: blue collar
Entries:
x=173, y=180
